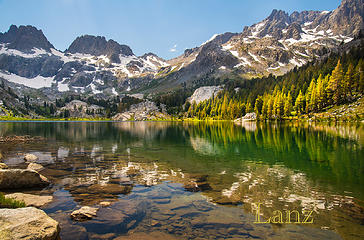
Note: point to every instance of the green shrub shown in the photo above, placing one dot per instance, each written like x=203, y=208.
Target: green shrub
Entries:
x=10, y=203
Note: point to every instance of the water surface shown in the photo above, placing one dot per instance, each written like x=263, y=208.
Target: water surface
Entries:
x=198, y=180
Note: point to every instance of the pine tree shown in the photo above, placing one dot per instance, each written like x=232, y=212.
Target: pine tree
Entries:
x=349, y=80
x=258, y=105
x=249, y=107
x=308, y=96
x=288, y=105
x=299, y=104
x=335, y=84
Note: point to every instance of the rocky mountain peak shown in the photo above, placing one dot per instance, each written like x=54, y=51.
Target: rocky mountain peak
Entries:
x=347, y=19
x=278, y=15
x=25, y=39
x=97, y=45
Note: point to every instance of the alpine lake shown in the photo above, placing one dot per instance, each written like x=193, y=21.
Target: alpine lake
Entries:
x=199, y=180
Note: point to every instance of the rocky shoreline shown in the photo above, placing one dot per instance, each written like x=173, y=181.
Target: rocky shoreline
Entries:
x=29, y=222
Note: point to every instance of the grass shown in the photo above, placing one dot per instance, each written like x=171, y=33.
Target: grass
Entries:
x=10, y=203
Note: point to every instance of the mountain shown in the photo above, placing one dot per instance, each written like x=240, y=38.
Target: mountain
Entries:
x=93, y=65
x=25, y=38
x=275, y=45
x=99, y=46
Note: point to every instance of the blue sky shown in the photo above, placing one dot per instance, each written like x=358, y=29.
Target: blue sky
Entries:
x=165, y=27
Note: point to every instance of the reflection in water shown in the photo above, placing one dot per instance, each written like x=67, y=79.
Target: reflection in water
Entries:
x=145, y=169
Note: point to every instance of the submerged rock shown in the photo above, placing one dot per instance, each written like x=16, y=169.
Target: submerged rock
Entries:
x=3, y=166
x=35, y=166
x=27, y=223
x=30, y=157
x=31, y=200
x=84, y=213
x=105, y=204
x=21, y=178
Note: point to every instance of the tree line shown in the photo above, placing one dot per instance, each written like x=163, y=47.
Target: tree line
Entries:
x=336, y=80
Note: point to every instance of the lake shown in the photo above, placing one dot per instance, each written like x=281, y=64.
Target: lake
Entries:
x=197, y=180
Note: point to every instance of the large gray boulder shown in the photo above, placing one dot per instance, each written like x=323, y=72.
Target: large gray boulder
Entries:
x=21, y=178
x=27, y=223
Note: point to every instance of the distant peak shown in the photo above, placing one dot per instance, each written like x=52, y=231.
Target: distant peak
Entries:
x=98, y=45
x=277, y=14
x=25, y=38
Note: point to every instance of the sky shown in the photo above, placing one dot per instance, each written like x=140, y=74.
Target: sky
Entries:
x=164, y=27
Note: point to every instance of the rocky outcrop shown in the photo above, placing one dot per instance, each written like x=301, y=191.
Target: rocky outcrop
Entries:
x=145, y=110
x=27, y=223
x=21, y=178
x=77, y=108
x=204, y=93
x=84, y=213
x=248, y=117
x=31, y=200
x=347, y=19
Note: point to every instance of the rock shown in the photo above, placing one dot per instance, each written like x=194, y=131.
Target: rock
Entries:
x=31, y=200
x=105, y=236
x=3, y=166
x=21, y=178
x=191, y=187
x=203, y=93
x=30, y=157
x=145, y=110
x=132, y=171
x=84, y=213
x=109, y=189
x=194, y=186
x=27, y=223
x=105, y=204
x=248, y=117
x=35, y=166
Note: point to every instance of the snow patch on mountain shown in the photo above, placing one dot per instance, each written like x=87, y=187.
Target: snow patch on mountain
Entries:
x=37, y=82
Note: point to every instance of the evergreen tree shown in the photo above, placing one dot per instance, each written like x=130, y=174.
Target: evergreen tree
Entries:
x=258, y=105
x=288, y=105
x=334, y=87
x=349, y=83
x=299, y=105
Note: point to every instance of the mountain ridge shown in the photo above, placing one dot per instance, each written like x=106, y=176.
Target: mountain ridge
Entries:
x=96, y=66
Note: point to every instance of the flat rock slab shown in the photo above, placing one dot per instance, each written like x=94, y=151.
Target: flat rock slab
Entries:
x=21, y=178
x=84, y=213
x=27, y=223
x=31, y=200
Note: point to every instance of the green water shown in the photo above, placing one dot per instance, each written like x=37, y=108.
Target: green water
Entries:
x=198, y=180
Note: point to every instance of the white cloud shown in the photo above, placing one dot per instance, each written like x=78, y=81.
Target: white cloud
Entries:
x=174, y=48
